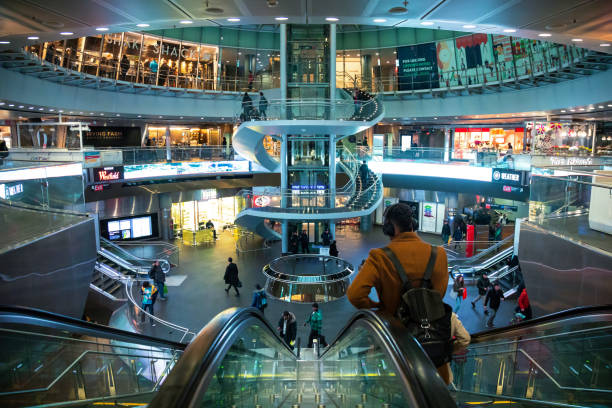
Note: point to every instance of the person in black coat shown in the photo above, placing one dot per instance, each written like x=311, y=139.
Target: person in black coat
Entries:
x=231, y=276
x=326, y=237
x=159, y=278
x=293, y=243
x=287, y=328
x=483, y=286
x=494, y=297
x=333, y=249
x=304, y=242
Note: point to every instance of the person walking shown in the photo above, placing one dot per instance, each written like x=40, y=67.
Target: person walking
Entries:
x=125, y=66
x=326, y=237
x=524, y=307
x=457, y=235
x=315, y=321
x=251, y=79
x=231, y=277
x=483, y=284
x=260, y=300
x=149, y=293
x=293, y=243
x=247, y=106
x=333, y=249
x=363, y=174
x=459, y=290
x=494, y=297
x=287, y=328
x=263, y=105
x=159, y=278
x=446, y=232
x=461, y=339
x=304, y=242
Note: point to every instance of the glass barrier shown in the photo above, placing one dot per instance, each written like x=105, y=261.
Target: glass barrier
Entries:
x=574, y=204
x=565, y=366
x=257, y=370
x=152, y=60
x=44, y=366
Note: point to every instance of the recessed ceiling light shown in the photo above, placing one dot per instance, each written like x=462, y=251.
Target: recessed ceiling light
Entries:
x=103, y=28
x=281, y=18
x=581, y=109
x=233, y=19
x=469, y=26
x=380, y=20
x=427, y=23
x=609, y=105
x=117, y=115
x=572, y=110
x=563, y=110
x=201, y=118
x=41, y=108
x=60, y=111
x=160, y=117
x=604, y=45
x=435, y=118
x=509, y=30
x=80, y=113
x=1, y=103
x=332, y=19
x=51, y=110
x=577, y=39
x=31, y=107
x=600, y=106
x=140, y=116
x=5, y=42
x=544, y=35
x=32, y=37
x=20, y=106
x=186, y=22
x=394, y=118
x=11, y=105
x=591, y=107
x=142, y=25
x=66, y=33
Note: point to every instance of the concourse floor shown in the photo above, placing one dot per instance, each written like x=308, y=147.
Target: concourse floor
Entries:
x=196, y=288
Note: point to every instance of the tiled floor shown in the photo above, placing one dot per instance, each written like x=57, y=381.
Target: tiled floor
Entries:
x=200, y=296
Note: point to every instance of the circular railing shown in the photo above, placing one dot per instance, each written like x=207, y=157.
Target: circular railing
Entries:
x=307, y=278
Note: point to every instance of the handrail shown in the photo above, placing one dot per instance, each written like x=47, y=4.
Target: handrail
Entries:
x=165, y=264
x=553, y=317
x=128, y=288
x=31, y=316
x=194, y=371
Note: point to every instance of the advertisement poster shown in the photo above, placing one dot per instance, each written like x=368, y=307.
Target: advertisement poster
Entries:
x=447, y=64
x=429, y=217
x=502, y=50
x=475, y=57
x=418, y=67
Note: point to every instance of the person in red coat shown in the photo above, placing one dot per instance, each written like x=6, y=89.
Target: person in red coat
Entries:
x=523, y=305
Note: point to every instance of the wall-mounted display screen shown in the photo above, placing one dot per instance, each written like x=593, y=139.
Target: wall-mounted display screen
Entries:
x=129, y=228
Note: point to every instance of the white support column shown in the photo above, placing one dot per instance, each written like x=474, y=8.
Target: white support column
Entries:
x=168, y=145
x=447, y=143
x=332, y=70
x=283, y=68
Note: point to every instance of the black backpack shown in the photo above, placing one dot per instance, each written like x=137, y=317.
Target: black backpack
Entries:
x=423, y=313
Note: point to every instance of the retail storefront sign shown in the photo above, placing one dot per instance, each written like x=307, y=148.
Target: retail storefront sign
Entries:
x=139, y=171
x=261, y=201
x=508, y=177
x=9, y=191
x=106, y=174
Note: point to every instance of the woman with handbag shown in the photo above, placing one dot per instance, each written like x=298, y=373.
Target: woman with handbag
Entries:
x=459, y=292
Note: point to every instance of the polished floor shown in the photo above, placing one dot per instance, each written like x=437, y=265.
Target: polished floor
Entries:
x=196, y=288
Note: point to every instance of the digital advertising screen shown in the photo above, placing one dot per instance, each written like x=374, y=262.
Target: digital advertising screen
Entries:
x=185, y=168
x=130, y=228
x=418, y=67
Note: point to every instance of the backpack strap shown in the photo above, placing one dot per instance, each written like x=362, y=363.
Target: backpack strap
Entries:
x=430, y=266
x=398, y=266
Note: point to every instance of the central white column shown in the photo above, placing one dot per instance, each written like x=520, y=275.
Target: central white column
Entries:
x=332, y=137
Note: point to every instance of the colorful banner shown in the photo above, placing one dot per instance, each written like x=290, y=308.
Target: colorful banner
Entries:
x=447, y=63
x=184, y=168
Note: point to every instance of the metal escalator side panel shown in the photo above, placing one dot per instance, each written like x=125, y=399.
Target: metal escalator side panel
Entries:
x=191, y=380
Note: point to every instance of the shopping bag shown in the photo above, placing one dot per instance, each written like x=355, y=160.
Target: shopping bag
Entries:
x=165, y=290
x=464, y=293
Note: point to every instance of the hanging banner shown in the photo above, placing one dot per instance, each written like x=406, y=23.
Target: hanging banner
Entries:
x=418, y=67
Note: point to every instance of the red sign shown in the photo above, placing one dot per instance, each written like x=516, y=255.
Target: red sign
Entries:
x=98, y=187
x=507, y=189
x=261, y=201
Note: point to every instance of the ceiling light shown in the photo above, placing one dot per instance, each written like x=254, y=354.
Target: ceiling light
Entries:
x=11, y=105
x=60, y=111
x=604, y=45
x=186, y=22
x=469, y=26
x=332, y=19
x=435, y=118
x=509, y=30
x=380, y=20
x=233, y=19
x=160, y=117
x=31, y=107
x=41, y=109
x=105, y=28
x=544, y=35
x=591, y=107
x=609, y=105
x=600, y=106
x=427, y=23
x=1, y=103
x=563, y=110
x=20, y=106
x=117, y=115
x=66, y=33
x=140, y=116
x=581, y=109
x=5, y=42
x=32, y=37
x=201, y=118
x=577, y=39
x=142, y=25
x=572, y=110
x=281, y=18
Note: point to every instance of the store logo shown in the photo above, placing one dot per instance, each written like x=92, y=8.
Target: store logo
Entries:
x=496, y=175
x=108, y=174
x=427, y=211
x=261, y=201
x=10, y=191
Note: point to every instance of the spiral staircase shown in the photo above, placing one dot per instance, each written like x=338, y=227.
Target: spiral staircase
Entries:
x=341, y=117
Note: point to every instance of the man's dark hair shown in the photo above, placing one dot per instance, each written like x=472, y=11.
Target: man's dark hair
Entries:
x=146, y=284
x=229, y=259
x=315, y=305
x=286, y=313
x=400, y=214
x=258, y=286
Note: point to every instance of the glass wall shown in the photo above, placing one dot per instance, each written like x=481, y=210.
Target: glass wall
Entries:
x=200, y=60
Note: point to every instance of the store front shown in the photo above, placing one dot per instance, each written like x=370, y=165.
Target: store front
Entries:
x=201, y=135
x=562, y=138
x=468, y=140
x=192, y=216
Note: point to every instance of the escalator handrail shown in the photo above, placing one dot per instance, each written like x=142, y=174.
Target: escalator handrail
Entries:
x=553, y=317
x=37, y=317
x=192, y=373
x=408, y=355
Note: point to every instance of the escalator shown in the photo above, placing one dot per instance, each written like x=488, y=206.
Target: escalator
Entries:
x=237, y=360
x=560, y=360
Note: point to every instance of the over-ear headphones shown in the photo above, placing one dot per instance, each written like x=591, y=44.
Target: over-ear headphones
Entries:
x=388, y=228
x=402, y=214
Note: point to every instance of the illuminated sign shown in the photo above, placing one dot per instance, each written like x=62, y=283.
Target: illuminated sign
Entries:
x=107, y=174
x=139, y=171
x=261, y=201
x=82, y=128
x=98, y=187
x=44, y=172
x=511, y=177
x=419, y=169
x=10, y=191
